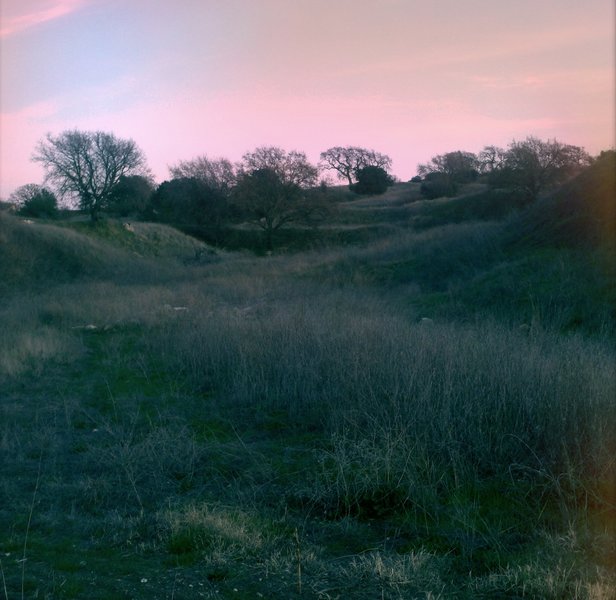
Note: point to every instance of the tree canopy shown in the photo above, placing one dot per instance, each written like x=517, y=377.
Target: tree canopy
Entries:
x=273, y=188
x=189, y=201
x=291, y=167
x=88, y=165
x=348, y=160
x=534, y=165
x=131, y=195
x=445, y=172
x=457, y=166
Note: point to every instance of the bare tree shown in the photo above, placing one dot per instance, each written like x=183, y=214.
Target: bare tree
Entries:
x=88, y=165
x=491, y=158
x=348, y=160
x=216, y=173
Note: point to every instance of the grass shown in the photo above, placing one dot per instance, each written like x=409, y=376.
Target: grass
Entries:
x=288, y=426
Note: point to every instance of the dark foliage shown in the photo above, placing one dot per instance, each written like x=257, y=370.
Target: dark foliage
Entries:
x=436, y=185
x=130, y=196
x=580, y=212
x=348, y=160
x=534, y=166
x=35, y=201
x=189, y=201
x=372, y=180
x=483, y=206
x=268, y=200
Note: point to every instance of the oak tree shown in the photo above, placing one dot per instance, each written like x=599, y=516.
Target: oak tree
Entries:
x=273, y=188
x=348, y=160
x=534, y=165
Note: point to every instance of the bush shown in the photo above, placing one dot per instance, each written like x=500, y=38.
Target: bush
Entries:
x=189, y=201
x=43, y=205
x=372, y=180
x=437, y=185
x=130, y=196
x=35, y=201
x=486, y=205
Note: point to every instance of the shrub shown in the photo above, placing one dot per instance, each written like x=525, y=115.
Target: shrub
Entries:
x=130, y=196
x=437, y=185
x=372, y=180
x=35, y=201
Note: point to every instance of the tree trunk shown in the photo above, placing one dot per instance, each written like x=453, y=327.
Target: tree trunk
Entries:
x=269, y=239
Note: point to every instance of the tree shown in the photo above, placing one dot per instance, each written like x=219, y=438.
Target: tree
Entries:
x=189, y=201
x=458, y=166
x=348, y=160
x=215, y=173
x=34, y=200
x=88, y=165
x=291, y=167
x=445, y=172
x=273, y=189
x=491, y=158
x=372, y=180
x=131, y=195
x=533, y=165
x=268, y=201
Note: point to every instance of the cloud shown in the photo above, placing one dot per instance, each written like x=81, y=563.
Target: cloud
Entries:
x=35, y=13
x=508, y=83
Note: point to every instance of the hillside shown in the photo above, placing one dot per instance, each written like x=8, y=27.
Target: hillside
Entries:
x=415, y=400
x=581, y=213
x=38, y=254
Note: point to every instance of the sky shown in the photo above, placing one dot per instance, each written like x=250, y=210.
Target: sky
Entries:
x=407, y=78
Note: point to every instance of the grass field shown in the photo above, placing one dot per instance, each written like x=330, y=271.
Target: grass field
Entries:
x=424, y=410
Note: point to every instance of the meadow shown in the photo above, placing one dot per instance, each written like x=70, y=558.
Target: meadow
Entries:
x=413, y=401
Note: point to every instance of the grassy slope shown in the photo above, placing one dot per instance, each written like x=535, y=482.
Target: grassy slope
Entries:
x=39, y=254
x=264, y=424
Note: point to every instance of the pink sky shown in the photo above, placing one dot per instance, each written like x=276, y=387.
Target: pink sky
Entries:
x=410, y=79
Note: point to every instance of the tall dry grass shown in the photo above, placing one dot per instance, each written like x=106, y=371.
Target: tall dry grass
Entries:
x=410, y=404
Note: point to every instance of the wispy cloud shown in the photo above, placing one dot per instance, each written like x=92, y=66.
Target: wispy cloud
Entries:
x=36, y=13
x=507, y=83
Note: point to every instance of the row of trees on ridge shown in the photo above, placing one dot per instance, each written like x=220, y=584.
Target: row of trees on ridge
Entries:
x=270, y=186
x=529, y=166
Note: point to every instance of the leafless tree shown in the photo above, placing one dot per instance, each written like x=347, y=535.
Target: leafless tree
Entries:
x=491, y=158
x=348, y=160
x=216, y=173
x=88, y=165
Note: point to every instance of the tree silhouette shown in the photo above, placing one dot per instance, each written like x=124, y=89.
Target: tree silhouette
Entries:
x=88, y=165
x=348, y=160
